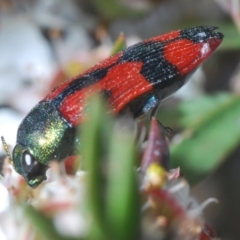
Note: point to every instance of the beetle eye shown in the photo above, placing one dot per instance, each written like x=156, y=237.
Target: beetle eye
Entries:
x=27, y=161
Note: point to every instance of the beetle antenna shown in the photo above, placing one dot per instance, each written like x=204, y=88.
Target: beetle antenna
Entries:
x=6, y=148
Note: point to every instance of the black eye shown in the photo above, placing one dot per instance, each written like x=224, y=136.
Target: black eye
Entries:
x=34, y=171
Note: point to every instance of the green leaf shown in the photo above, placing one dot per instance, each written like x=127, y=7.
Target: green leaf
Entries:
x=119, y=44
x=122, y=195
x=213, y=133
x=232, y=36
x=111, y=9
x=108, y=154
x=200, y=110
x=95, y=140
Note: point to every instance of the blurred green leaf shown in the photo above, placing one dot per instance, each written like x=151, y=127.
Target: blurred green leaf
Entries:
x=123, y=207
x=169, y=115
x=95, y=139
x=111, y=9
x=212, y=132
x=43, y=225
x=197, y=111
x=119, y=44
x=109, y=154
x=232, y=36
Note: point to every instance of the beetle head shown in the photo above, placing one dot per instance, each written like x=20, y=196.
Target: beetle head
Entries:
x=27, y=165
x=42, y=136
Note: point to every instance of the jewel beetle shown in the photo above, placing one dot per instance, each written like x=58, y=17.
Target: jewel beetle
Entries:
x=134, y=80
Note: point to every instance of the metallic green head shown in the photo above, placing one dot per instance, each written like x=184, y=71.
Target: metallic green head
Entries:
x=44, y=135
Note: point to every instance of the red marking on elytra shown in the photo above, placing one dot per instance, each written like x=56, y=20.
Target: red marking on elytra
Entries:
x=164, y=37
x=105, y=63
x=186, y=55
x=56, y=91
x=123, y=80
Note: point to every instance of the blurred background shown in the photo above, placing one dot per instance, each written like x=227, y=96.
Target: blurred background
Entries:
x=44, y=42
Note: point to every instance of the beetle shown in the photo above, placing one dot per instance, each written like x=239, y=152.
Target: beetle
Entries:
x=134, y=80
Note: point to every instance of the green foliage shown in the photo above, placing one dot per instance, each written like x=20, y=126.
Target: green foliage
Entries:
x=111, y=9
x=212, y=132
x=232, y=37
x=108, y=155
x=122, y=196
x=119, y=45
x=94, y=140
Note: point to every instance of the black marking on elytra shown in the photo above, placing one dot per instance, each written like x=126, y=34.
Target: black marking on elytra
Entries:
x=82, y=82
x=159, y=72
x=155, y=67
x=200, y=34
